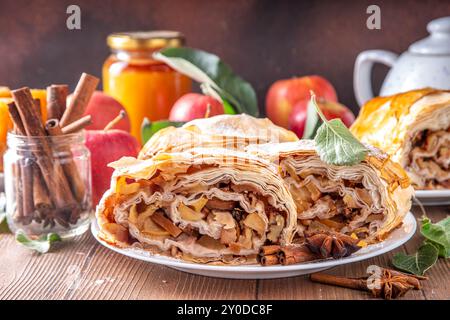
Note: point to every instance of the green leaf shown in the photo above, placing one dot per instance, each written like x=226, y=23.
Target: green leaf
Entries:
x=418, y=263
x=3, y=224
x=207, y=68
x=312, y=121
x=335, y=143
x=437, y=234
x=149, y=128
x=41, y=245
x=227, y=107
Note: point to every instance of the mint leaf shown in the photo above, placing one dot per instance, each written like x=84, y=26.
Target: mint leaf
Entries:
x=149, y=128
x=3, y=224
x=207, y=68
x=418, y=263
x=335, y=143
x=437, y=234
x=41, y=245
x=312, y=121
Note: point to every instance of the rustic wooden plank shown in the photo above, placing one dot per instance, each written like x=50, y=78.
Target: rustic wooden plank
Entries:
x=83, y=269
x=112, y=276
x=34, y=276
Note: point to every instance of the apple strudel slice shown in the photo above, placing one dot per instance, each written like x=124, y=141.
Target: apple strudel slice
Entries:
x=207, y=205
x=414, y=129
x=366, y=200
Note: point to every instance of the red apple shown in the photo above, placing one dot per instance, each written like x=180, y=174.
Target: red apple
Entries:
x=193, y=106
x=331, y=110
x=284, y=94
x=106, y=147
x=104, y=108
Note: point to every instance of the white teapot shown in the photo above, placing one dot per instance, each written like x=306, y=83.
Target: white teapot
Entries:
x=425, y=64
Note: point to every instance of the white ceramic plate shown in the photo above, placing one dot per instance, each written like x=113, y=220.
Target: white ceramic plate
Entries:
x=395, y=239
x=433, y=197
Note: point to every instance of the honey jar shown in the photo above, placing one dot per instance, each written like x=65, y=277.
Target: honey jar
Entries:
x=147, y=88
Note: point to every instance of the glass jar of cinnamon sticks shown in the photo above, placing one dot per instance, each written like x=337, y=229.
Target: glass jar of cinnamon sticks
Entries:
x=47, y=166
x=48, y=191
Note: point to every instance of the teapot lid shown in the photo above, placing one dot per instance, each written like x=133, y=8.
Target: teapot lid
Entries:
x=438, y=42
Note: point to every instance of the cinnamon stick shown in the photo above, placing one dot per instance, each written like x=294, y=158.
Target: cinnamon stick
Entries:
x=52, y=171
x=80, y=99
x=269, y=260
x=122, y=114
x=70, y=168
x=359, y=284
x=42, y=202
x=15, y=116
x=56, y=100
x=37, y=104
x=27, y=190
x=78, y=125
x=18, y=193
x=268, y=250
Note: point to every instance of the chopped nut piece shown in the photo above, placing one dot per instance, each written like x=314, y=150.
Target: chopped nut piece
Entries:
x=166, y=224
x=225, y=218
x=255, y=222
x=144, y=215
x=189, y=214
x=210, y=243
x=349, y=201
x=218, y=204
x=153, y=229
x=245, y=239
x=275, y=229
x=315, y=192
x=364, y=195
x=199, y=204
x=125, y=189
x=228, y=236
x=117, y=231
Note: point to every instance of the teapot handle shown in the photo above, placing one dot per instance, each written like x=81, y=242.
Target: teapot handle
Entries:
x=362, y=83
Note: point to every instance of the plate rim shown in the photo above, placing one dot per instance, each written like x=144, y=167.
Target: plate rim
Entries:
x=432, y=194
x=176, y=263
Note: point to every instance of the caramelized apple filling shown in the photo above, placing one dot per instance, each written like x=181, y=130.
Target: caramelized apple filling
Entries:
x=344, y=206
x=223, y=218
x=430, y=159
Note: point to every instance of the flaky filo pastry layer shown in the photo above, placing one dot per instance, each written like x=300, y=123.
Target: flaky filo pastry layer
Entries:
x=414, y=129
x=223, y=131
x=205, y=205
x=366, y=200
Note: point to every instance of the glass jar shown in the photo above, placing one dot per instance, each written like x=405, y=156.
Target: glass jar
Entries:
x=48, y=184
x=146, y=87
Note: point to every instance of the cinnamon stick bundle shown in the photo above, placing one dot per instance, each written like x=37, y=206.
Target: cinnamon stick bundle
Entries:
x=52, y=171
x=295, y=254
x=285, y=255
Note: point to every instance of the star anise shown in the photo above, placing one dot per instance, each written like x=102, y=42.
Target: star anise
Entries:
x=331, y=244
x=394, y=284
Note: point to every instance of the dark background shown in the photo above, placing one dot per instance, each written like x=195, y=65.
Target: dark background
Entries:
x=262, y=40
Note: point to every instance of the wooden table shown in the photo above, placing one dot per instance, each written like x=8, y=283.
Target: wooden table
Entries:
x=84, y=269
